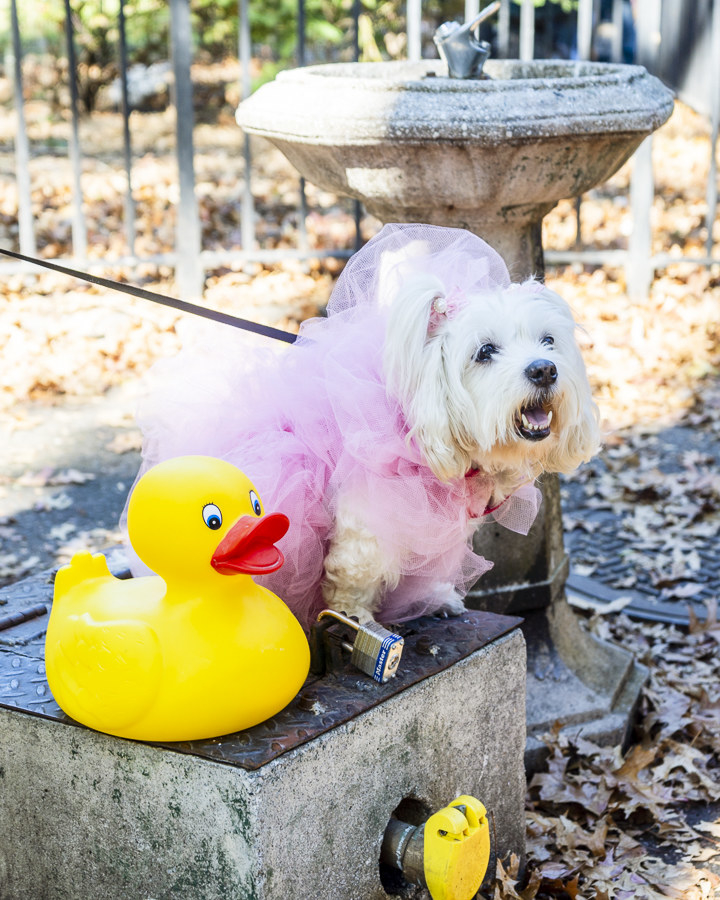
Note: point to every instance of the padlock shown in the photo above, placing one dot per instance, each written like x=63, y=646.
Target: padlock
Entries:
x=375, y=650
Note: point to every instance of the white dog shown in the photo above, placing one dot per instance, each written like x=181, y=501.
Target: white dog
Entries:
x=434, y=394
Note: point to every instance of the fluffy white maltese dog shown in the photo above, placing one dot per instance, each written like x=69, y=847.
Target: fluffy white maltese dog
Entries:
x=430, y=398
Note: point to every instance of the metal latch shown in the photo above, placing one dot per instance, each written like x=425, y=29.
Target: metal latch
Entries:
x=375, y=650
x=448, y=854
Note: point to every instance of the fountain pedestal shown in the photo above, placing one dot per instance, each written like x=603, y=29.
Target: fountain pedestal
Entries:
x=492, y=156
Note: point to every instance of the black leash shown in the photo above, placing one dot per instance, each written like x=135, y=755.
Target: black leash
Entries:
x=226, y=319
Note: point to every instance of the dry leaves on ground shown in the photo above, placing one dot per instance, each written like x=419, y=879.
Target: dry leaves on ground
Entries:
x=646, y=511
x=603, y=824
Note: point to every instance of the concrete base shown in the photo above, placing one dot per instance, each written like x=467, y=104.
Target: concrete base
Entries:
x=588, y=686
x=584, y=684
x=83, y=814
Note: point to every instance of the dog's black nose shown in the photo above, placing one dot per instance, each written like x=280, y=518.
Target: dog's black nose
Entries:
x=542, y=372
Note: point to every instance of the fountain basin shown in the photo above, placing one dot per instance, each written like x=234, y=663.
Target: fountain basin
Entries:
x=416, y=145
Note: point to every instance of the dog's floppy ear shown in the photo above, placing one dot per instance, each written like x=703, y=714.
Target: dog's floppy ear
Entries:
x=433, y=399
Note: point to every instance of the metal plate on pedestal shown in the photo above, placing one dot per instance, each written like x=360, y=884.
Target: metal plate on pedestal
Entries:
x=431, y=645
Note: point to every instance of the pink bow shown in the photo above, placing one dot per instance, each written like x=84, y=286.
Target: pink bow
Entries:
x=443, y=308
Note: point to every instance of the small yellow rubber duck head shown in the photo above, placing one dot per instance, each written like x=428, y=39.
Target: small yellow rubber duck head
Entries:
x=194, y=516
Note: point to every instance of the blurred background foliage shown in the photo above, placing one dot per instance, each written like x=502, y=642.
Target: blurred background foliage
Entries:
x=329, y=32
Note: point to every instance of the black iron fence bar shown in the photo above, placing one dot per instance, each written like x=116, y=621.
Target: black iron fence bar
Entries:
x=79, y=230
x=188, y=272
x=127, y=145
x=356, y=30
x=22, y=145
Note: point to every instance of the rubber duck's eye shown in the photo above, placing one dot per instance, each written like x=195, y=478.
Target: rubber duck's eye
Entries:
x=255, y=500
x=212, y=516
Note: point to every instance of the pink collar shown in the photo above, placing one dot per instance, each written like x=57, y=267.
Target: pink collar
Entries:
x=472, y=473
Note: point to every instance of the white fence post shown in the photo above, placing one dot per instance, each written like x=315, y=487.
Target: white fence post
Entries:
x=22, y=146
x=414, y=24
x=527, y=30
x=188, y=268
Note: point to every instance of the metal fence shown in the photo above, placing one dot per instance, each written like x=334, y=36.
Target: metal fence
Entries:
x=684, y=50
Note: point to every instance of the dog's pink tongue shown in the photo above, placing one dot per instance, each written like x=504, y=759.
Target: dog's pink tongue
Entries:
x=537, y=417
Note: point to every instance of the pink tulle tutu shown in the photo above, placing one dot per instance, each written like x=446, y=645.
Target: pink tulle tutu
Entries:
x=302, y=421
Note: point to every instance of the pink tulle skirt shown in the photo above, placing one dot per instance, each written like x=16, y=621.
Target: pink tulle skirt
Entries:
x=313, y=421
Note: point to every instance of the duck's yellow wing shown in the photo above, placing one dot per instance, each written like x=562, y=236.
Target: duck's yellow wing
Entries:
x=104, y=674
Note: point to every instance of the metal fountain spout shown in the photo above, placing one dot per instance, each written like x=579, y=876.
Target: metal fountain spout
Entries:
x=464, y=54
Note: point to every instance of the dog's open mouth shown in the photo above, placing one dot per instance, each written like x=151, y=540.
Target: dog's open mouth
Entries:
x=533, y=423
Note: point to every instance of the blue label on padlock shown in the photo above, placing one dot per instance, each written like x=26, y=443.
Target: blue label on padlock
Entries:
x=387, y=645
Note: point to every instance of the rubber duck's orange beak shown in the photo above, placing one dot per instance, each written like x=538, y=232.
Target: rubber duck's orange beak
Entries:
x=249, y=547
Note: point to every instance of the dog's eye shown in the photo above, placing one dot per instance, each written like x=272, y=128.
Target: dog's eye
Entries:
x=485, y=353
x=548, y=341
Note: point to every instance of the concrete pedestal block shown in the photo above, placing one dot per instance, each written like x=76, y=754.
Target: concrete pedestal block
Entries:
x=574, y=680
x=85, y=815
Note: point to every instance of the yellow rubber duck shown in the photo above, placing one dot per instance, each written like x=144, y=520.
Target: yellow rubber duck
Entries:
x=191, y=652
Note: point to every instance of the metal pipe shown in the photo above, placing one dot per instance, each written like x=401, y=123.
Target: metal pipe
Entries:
x=483, y=14
x=403, y=848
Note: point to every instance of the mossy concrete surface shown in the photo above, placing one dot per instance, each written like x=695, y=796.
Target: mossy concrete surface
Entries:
x=86, y=815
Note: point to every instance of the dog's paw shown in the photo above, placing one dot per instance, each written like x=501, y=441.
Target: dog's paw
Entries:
x=356, y=611
x=449, y=602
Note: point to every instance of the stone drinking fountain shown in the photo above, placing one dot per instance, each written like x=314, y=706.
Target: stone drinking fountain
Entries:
x=493, y=155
